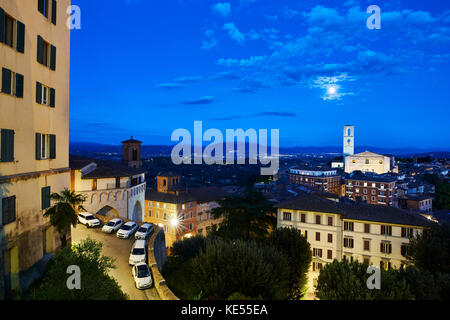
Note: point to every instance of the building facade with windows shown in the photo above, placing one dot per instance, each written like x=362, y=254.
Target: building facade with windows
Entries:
x=369, y=162
x=323, y=179
x=34, y=124
x=376, y=235
x=372, y=189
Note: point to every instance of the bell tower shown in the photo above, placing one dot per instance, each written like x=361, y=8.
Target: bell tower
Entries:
x=131, y=153
x=349, y=141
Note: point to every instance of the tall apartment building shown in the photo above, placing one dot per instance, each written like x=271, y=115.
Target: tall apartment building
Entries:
x=372, y=189
x=34, y=144
x=376, y=235
x=323, y=179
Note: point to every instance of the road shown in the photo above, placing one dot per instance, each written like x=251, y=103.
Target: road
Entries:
x=120, y=250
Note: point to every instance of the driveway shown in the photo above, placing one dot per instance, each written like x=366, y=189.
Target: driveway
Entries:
x=120, y=250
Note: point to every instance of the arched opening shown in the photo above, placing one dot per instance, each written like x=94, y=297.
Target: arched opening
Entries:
x=108, y=211
x=137, y=212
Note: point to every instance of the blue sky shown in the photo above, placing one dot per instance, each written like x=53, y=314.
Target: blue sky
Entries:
x=145, y=68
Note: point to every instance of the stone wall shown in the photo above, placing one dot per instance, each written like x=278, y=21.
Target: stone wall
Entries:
x=157, y=256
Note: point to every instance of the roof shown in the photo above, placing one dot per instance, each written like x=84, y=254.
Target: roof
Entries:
x=207, y=194
x=168, y=174
x=355, y=211
x=307, y=168
x=367, y=154
x=418, y=197
x=179, y=198
x=131, y=141
x=104, y=169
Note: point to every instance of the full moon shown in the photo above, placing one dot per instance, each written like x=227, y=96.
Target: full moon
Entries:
x=332, y=90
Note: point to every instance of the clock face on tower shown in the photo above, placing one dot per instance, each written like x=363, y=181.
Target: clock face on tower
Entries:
x=348, y=141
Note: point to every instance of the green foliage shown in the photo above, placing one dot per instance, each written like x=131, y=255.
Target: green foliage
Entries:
x=96, y=284
x=188, y=248
x=348, y=281
x=430, y=251
x=442, y=191
x=227, y=267
x=298, y=252
x=247, y=217
x=63, y=212
x=240, y=296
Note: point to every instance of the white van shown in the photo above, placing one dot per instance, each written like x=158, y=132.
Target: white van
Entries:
x=138, y=252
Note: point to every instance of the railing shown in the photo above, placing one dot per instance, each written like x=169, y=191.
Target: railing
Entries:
x=122, y=185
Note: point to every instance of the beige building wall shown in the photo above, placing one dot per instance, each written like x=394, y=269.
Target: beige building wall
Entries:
x=368, y=162
x=22, y=241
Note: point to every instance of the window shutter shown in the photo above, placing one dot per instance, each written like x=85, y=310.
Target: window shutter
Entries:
x=2, y=25
x=52, y=146
x=4, y=145
x=10, y=145
x=52, y=97
x=40, y=45
x=45, y=198
x=20, y=37
x=39, y=92
x=9, y=210
x=53, y=58
x=19, y=85
x=41, y=6
x=6, y=81
x=38, y=146
x=54, y=12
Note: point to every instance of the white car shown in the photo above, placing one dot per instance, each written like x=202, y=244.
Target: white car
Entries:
x=88, y=219
x=144, y=231
x=142, y=276
x=127, y=230
x=138, y=253
x=112, y=225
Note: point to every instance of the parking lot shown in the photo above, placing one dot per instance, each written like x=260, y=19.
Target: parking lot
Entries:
x=120, y=250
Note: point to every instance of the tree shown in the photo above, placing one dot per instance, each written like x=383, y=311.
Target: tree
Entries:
x=96, y=284
x=249, y=216
x=298, y=251
x=63, y=213
x=226, y=267
x=430, y=250
x=348, y=281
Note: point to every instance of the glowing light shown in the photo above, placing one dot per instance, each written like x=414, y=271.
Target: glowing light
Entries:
x=332, y=90
x=174, y=222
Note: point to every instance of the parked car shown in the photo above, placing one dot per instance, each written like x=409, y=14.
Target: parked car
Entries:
x=144, y=231
x=88, y=219
x=142, y=276
x=138, y=252
x=112, y=225
x=127, y=230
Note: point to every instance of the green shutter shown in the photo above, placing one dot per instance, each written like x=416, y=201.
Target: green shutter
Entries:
x=39, y=92
x=52, y=58
x=40, y=44
x=52, y=97
x=6, y=81
x=19, y=85
x=54, y=12
x=38, y=146
x=20, y=37
x=41, y=6
x=7, y=145
x=45, y=198
x=52, y=146
x=2, y=25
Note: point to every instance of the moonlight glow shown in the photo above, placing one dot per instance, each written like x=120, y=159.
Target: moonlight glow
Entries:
x=332, y=90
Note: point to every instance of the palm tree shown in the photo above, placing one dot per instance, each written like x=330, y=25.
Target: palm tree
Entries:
x=63, y=213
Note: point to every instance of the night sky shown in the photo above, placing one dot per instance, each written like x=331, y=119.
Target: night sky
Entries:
x=147, y=67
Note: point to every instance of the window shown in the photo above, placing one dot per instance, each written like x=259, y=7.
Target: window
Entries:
x=46, y=54
x=150, y=213
x=191, y=205
x=303, y=217
x=386, y=230
x=191, y=226
x=317, y=236
x=8, y=210
x=404, y=249
x=330, y=221
x=318, y=219
x=365, y=191
x=386, y=247
x=45, y=146
x=366, y=245
x=367, y=161
x=43, y=7
x=45, y=95
x=165, y=216
x=330, y=238
x=407, y=232
x=348, y=242
x=348, y=226
x=286, y=216
x=366, y=261
x=183, y=217
x=386, y=265
x=329, y=254
x=317, y=266
x=191, y=214
x=7, y=145
x=374, y=192
x=45, y=198
x=12, y=83
x=317, y=252
x=8, y=32
x=12, y=32
x=367, y=228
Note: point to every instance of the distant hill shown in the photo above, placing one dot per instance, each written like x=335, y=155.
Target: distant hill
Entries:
x=100, y=150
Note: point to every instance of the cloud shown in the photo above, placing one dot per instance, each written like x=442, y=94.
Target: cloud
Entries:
x=189, y=79
x=234, y=33
x=260, y=114
x=170, y=85
x=201, y=100
x=211, y=41
x=223, y=9
x=250, y=62
x=225, y=75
